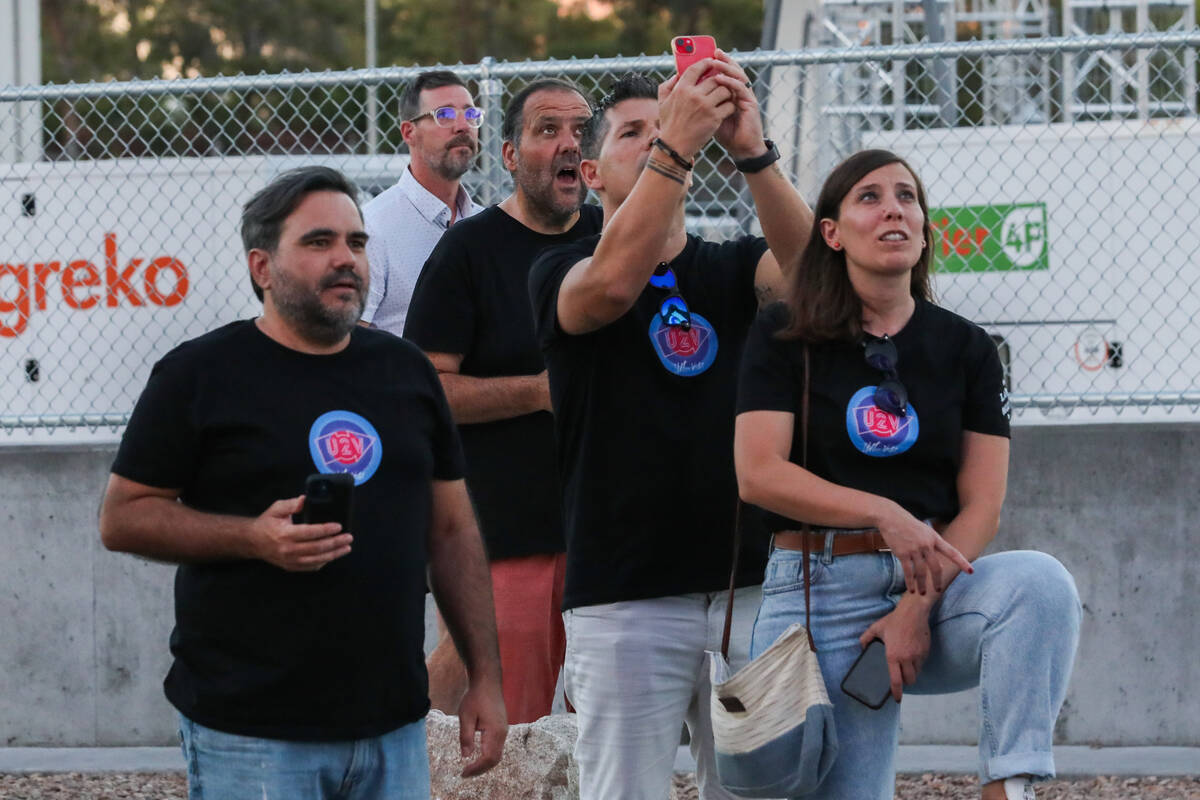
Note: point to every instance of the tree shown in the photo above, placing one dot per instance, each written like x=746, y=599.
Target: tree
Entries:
x=454, y=31
x=80, y=44
x=120, y=39
x=105, y=39
x=648, y=25
x=209, y=36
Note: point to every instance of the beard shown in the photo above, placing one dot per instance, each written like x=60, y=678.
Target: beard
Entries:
x=312, y=319
x=451, y=163
x=547, y=203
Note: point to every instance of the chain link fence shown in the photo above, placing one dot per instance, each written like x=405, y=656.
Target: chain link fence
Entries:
x=1063, y=175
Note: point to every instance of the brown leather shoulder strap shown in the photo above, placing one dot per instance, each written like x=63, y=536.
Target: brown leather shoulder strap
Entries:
x=737, y=547
x=737, y=532
x=804, y=527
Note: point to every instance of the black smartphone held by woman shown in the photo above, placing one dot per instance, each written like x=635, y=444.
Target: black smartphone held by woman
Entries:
x=328, y=498
x=868, y=680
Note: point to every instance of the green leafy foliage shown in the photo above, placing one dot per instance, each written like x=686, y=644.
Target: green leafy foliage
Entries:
x=86, y=40
x=105, y=39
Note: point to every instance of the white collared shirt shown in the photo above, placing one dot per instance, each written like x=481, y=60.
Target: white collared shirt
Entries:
x=403, y=223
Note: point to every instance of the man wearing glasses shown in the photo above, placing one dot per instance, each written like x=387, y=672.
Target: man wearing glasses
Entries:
x=642, y=330
x=440, y=125
x=470, y=314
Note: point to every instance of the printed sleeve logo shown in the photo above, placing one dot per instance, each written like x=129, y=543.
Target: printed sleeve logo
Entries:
x=684, y=353
x=1005, y=404
x=342, y=441
x=876, y=432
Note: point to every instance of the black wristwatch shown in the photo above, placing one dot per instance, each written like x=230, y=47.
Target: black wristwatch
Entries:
x=759, y=163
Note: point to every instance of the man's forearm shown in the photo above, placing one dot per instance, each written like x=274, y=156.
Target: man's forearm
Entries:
x=473, y=399
x=462, y=586
x=785, y=218
x=637, y=231
x=167, y=530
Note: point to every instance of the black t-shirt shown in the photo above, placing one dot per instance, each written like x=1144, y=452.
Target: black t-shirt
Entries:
x=472, y=299
x=646, y=454
x=952, y=372
x=237, y=421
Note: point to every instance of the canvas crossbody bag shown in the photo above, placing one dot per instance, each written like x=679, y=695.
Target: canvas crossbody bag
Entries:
x=772, y=720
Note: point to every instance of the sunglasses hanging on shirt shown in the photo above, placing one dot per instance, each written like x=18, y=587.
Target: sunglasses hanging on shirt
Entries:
x=890, y=394
x=684, y=340
x=674, y=309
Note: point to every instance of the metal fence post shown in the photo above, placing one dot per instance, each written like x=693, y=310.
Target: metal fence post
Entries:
x=491, y=90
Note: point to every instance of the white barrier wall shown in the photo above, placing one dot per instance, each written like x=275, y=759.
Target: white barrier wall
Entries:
x=83, y=644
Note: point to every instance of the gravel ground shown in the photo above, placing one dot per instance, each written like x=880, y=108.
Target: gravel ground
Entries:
x=966, y=787
x=171, y=786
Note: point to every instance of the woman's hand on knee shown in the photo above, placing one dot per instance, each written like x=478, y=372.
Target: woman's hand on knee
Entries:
x=917, y=545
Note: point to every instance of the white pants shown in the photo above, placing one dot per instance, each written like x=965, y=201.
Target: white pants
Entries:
x=635, y=672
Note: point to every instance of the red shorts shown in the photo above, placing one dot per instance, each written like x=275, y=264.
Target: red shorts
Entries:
x=528, y=593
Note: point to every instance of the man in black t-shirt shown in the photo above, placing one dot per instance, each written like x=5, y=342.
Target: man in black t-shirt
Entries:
x=641, y=329
x=298, y=665
x=470, y=313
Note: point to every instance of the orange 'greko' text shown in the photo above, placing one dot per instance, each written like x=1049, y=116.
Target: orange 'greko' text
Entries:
x=162, y=282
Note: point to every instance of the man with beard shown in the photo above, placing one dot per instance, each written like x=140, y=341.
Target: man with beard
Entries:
x=298, y=665
x=470, y=313
x=440, y=125
x=643, y=329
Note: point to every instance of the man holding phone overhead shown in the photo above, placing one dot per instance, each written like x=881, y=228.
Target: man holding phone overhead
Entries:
x=641, y=328
x=299, y=667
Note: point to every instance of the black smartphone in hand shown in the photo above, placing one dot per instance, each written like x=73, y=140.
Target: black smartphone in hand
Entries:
x=328, y=498
x=868, y=680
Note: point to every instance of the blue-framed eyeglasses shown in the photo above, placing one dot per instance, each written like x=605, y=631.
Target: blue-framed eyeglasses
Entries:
x=445, y=116
x=890, y=394
x=674, y=309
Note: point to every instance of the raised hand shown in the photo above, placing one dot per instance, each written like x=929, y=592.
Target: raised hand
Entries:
x=741, y=133
x=692, y=107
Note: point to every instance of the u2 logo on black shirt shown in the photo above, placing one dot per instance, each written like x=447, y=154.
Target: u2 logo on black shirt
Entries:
x=876, y=432
x=342, y=441
x=684, y=352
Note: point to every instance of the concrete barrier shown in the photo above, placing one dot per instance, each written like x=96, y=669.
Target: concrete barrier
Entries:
x=83, y=637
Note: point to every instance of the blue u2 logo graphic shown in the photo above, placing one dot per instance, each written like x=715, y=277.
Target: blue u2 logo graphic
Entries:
x=684, y=352
x=342, y=441
x=876, y=432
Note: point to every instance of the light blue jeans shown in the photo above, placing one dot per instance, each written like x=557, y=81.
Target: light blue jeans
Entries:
x=1011, y=628
x=226, y=766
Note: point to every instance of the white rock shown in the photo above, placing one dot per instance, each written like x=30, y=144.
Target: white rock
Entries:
x=537, y=762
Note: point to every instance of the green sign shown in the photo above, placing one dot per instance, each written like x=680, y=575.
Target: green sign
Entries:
x=989, y=238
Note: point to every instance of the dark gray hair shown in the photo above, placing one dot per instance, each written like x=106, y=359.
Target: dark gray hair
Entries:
x=264, y=213
x=410, y=100
x=630, y=86
x=514, y=112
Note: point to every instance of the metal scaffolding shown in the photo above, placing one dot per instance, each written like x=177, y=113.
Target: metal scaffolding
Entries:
x=1115, y=84
x=1010, y=88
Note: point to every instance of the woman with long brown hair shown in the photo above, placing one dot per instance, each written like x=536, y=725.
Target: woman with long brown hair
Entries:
x=906, y=468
